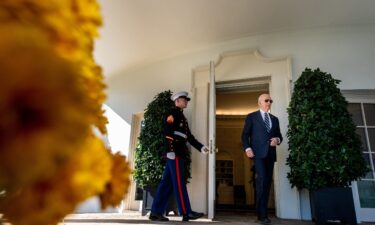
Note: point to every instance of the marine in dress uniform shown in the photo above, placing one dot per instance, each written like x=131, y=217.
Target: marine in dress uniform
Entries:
x=177, y=134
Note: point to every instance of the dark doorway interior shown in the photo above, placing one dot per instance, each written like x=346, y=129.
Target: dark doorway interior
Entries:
x=234, y=174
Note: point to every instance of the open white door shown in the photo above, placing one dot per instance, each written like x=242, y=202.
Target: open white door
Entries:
x=212, y=146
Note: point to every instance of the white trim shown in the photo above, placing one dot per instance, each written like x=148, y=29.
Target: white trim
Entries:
x=180, y=134
x=359, y=95
x=251, y=51
x=255, y=84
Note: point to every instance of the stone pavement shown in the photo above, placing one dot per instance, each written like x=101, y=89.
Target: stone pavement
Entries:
x=133, y=217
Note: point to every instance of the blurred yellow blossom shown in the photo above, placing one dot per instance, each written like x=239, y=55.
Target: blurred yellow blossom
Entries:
x=42, y=107
x=51, y=96
x=91, y=167
x=117, y=187
x=70, y=26
x=47, y=201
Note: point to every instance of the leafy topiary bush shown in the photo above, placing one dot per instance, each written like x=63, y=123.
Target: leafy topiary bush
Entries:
x=149, y=163
x=324, y=149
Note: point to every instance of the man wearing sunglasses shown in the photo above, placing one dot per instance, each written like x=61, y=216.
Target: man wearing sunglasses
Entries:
x=260, y=136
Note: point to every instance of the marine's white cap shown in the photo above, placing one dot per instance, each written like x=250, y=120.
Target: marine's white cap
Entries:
x=181, y=94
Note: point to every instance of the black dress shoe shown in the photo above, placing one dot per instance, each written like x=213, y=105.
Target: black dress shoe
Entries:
x=264, y=220
x=192, y=216
x=157, y=217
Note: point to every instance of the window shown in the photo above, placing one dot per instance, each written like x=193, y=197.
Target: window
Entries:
x=363, y=115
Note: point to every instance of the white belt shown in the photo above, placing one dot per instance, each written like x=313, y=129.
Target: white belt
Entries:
x=180, y=134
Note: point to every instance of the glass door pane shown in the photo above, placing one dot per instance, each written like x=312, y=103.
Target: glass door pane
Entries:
x=369, y=114
x=356, y=112
x=362, y=134
x=370, y=174
x=371, y=135
x=366, y=188
x=363, y=115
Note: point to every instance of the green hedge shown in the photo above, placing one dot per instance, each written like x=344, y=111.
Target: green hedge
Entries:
x=324, y=149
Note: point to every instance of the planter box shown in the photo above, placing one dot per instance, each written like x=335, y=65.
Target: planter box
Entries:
x=148, y=198
x=333, y=204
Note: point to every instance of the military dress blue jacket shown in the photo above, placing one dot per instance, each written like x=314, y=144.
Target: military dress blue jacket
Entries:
x=177, y=133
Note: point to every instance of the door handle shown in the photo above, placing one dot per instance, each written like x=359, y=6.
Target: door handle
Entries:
x=211, y=148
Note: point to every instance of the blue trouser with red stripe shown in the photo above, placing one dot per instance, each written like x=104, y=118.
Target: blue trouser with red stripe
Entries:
x=172, y=180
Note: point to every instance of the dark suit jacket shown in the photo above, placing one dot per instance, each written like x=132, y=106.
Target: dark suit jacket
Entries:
x=255, y=135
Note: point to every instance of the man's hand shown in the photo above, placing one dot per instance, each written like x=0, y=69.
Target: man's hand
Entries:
x=205, y=150
x=249, y=153
x=171, y=155
x=274, y=141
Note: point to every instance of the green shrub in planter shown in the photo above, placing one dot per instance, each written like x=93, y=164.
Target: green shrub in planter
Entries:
x=149, y=163
x=324, y=149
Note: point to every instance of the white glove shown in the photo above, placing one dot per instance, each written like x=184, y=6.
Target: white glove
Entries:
x=205, y=150
x=171, y=155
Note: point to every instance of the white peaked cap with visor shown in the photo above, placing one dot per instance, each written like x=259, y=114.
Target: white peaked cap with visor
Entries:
x=181, y=94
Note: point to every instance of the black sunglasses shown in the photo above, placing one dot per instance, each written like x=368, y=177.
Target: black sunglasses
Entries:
x=268, y=100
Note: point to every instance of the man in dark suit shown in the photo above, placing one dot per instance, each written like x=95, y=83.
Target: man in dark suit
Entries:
x=260, y=136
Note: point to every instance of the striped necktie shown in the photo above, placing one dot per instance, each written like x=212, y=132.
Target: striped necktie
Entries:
x=267, y=122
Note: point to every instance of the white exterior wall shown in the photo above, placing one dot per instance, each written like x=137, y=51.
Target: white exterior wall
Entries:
x=348, y=53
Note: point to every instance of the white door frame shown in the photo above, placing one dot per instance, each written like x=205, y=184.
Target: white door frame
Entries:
x=237, y=65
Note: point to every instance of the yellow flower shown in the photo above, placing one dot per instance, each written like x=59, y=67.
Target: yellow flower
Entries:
x=42, y=108
x=47, y=201
x=117, y=187
x=70, y=26
x=44, y=203
x=62, y=21
x=92, y=82
x=92, y=168
x=87, y=13
x=51, y=93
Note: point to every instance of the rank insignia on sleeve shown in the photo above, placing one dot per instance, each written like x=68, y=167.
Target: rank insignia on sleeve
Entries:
x=170, y=119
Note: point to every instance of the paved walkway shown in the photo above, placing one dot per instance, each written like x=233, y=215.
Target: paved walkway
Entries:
x=132, y=217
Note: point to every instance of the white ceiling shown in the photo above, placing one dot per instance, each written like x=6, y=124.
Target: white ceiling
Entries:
x=137, y=32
